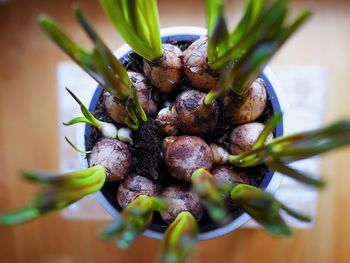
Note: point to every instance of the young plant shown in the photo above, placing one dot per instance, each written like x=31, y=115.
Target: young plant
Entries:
x=277, y=153
x=242, y=54
x=134, y=220
x=136, y=195
x=183, y=213
x=213, y=189
x=260, y=205
x=138, y=23
x=100, y=64
x=108, y=130
x=179, y=239
x=264, y=208
x=57, y=192
x=204, y=184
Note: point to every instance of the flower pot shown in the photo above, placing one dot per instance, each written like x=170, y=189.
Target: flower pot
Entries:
x=271, y=179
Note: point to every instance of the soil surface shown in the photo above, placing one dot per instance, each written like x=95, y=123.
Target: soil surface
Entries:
x=147, y=156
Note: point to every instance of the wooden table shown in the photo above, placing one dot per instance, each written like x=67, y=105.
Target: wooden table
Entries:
x=28, y=138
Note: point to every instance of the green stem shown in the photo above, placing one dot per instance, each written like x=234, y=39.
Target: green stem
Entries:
x=134, y=219
x=211, y=96
x=204, y=184
x=64, y=190
x=179, y=239
x=138, y=105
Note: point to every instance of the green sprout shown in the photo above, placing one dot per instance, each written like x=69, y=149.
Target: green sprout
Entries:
x=108, y=130
x=100, y=63
x=58, y=191
x=134, y=220
x=179, y=239
x=75, y=147
x=279, y=152
x=203, y=182
x=242, y=54
x=264, y=208
x=260, y=205
x=138, y=23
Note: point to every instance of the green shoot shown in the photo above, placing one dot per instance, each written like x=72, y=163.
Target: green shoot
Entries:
x=205, y=186
x=217, y=29
x=108, y=130
x=134, y=219
x=279, y=152
x=75, y=147
x=88, y=116
x=58, y=191
x=265, y=209
x=138, y=23
x=242, y=54
x=100, y=63
x=179, y=239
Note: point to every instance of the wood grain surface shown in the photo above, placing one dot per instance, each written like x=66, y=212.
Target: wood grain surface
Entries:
x=28, y=138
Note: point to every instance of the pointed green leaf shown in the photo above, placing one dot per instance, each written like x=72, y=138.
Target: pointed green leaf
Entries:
x=179, y=239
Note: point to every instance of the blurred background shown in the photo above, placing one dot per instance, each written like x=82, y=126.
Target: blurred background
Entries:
x=29, y=136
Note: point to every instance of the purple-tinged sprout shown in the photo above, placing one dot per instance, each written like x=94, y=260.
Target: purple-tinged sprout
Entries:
x=167, y=121
x=134, y=220
x=179, y=239
x=246, y=108
x=220, y=154
x=114, y=155
x=168, y=141
x=165, y=72
x=196, y=68
x=194, y=117
x=180, y=198
x=133, y=186
x=58, y=191
x=185, y=154
x=264, y=208
x=243, y=137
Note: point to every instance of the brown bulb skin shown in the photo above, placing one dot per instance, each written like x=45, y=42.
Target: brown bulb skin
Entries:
x=185, y=154
x=116, y=109
x=229, y=175
x=194, y=117
x=247, y=108
x=135, y=185
x=196, y=68
x=181, y=198
x=243, y=137
x=114, y=156
x=165, y=73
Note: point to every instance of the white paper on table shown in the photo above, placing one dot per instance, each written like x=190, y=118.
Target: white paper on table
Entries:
x=305, y=89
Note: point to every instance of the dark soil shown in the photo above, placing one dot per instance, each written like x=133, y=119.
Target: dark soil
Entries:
x=147, y=157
